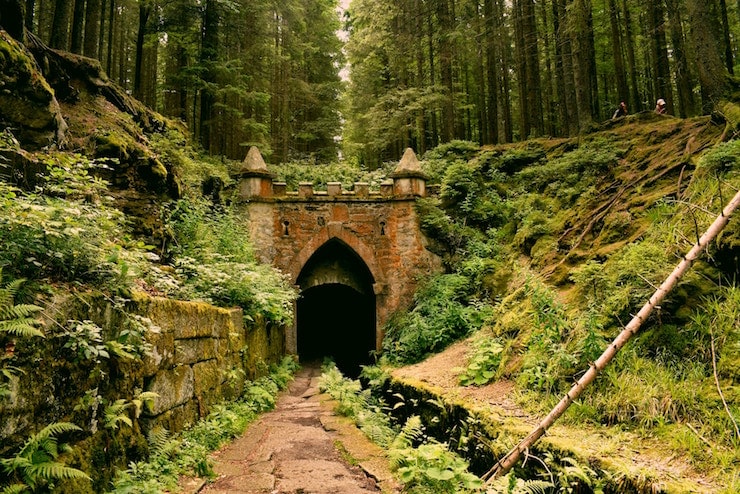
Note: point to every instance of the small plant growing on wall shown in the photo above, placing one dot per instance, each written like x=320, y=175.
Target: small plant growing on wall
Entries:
x=16, y=320
x=36, y=467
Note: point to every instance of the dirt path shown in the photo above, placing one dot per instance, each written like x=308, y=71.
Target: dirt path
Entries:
x=301, y=447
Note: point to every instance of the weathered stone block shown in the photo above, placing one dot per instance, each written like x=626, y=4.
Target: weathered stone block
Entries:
x=207, y=376
x=162, y=355
x=174, y=388
x=195, y=350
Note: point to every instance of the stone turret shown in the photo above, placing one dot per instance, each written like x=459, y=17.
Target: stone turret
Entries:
x=408, y=179
x=255, y=180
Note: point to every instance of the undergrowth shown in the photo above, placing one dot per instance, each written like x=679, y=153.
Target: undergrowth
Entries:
x=420, y=462
x=214, y=262
x=187, y=453
x=507, y=226
x=347, y=173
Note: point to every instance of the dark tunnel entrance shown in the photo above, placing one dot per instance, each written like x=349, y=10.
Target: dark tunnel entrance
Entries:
x=336, y=310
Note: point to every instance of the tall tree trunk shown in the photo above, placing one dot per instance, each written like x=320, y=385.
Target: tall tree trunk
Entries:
x=30, y=13
x=712, y=72
x=102, y=36
x=661, y=68
x=78, y=26
x=593, y=79
x=59, y=38
x=681, y=66
x=492, y=68
x=145, y=10
x=578, y=22
x=93, y=14
x=111, y=31
x=12, y=13
x=616, y=39
x=521, y=70
x=445, y=69
x=631, y=59
x=432, y=79
x=420, y=123
x=563, y=69
x=480, y=75
x=551, y=126
x=534, y=93
x=504, y=50
x=122, y=35
x=208, y=55
x=45, y=12
x=729, y=62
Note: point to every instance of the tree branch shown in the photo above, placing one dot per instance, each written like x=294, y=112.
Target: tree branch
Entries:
x=507, y=462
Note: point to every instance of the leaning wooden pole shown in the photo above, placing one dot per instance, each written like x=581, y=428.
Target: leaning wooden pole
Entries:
x=507, y=462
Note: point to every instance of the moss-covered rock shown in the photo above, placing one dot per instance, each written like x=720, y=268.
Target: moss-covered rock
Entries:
x=27, y=102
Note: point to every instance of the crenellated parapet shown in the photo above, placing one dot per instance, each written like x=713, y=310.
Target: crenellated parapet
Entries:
x=256, y=182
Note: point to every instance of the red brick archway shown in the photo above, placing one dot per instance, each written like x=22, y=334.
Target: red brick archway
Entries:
x=380, y=226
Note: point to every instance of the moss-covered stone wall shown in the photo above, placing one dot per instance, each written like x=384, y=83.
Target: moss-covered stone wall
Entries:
x=199, y=355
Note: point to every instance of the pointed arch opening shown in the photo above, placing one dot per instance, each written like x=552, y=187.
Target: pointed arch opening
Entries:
x=336, y=310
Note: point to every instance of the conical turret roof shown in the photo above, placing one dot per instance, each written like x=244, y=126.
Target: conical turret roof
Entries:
x=254, y=165
x=409, y=166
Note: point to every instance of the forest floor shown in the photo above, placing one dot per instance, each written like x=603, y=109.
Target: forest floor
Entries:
x=646, y=463
x=300, y=447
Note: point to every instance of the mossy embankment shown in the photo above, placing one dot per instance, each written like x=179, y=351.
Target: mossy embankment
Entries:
x=552, y=244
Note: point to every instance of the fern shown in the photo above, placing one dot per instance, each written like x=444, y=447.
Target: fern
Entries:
x=17, y=319
x=36, y=465
x=160, y=440
x=116, y=413
x=510, y=484
x=411, y=433
x=15, y=489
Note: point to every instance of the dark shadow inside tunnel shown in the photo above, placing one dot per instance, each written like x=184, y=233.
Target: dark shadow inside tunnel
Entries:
x=336, y=309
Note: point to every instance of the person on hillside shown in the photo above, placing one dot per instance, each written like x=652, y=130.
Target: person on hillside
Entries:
x=621, y=111
x=660, y=107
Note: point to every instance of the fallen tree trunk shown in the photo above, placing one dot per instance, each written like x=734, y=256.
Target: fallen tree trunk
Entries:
x=512, y=457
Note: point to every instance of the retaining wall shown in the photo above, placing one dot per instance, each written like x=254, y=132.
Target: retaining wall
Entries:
x=200, y=355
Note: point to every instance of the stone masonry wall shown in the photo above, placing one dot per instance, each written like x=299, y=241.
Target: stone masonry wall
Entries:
x=201, y=355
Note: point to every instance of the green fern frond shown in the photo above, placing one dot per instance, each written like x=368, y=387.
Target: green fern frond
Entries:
x=17, y=319
x=158, y=439
x=16, y=489
x=116, y=413
x=535, y=487
x=22, y=310
x=35, y=441
x=35, y=465
x=56, y=470
x=509, y=484
x=21, y=327
x=412, y=432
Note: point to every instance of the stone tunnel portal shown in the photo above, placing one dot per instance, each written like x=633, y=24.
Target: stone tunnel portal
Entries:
x=336, y=310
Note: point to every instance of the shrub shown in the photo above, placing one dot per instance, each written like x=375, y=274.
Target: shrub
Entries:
x=348, y=173
x=215, y=260
x=443, y=311
x=65, y=238
x=483, y=364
